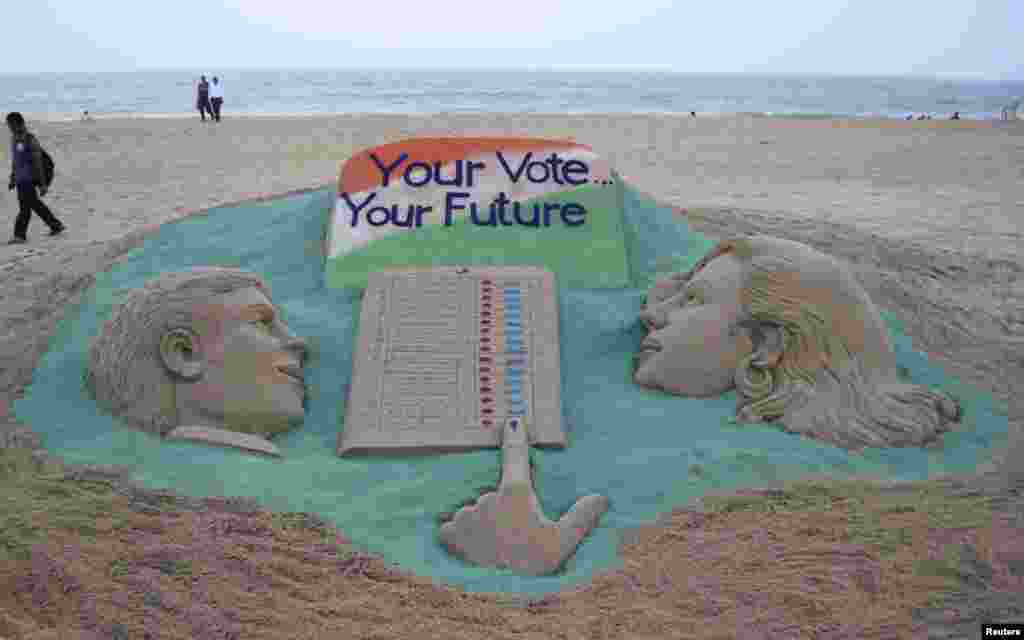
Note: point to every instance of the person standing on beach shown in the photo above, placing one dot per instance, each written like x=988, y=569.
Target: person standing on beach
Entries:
x=203, y=98
x=216, y=97
x=27, y=173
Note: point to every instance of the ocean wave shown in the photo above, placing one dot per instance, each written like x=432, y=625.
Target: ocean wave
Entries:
x=406, y=109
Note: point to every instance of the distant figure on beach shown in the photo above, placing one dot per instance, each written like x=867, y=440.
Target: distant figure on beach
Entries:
x=28, y=173
x=956, y=115
x=203, y=98
x=693, y=114
x=86, y=117
x=216, y=97
x=1009, y=112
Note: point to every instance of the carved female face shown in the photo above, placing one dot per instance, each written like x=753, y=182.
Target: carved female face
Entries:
x=824, y=365
x=248, y=368
x=693, y=347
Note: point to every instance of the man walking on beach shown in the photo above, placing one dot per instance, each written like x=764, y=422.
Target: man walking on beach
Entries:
x=203, y=99
x=27, y=173
x=216, y=97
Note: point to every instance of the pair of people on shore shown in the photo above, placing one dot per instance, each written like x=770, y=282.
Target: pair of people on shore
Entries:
x=210, y=97
x=28, y=173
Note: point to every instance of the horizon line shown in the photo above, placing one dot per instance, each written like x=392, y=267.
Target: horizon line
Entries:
x=542, y=69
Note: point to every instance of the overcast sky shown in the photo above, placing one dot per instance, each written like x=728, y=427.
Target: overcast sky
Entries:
x=982, y=38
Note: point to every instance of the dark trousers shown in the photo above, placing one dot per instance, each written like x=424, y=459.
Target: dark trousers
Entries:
x=216, y=107
x=28, y=201
x=204, y=108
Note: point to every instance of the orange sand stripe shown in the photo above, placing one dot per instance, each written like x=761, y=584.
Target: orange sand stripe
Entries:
x=361, y=173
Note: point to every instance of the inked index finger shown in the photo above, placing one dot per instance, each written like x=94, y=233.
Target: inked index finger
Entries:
x=515, y=451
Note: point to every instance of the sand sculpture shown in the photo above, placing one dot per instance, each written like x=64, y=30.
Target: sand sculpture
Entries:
x=462, y=358
x=201, y=355
x=798, y=338
x=507, y=528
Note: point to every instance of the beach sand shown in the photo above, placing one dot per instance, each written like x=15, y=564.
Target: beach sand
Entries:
x=948, y=185
x=928, y=213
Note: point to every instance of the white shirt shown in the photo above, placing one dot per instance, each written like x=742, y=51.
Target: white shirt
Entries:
x=216, y=90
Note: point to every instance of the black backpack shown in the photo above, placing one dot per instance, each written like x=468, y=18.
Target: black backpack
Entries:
x=48, y=168
x=48, y=165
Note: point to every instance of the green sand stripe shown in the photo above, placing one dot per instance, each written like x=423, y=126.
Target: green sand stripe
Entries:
x=592, y=255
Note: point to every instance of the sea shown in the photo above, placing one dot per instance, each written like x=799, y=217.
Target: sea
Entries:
x=298, y=92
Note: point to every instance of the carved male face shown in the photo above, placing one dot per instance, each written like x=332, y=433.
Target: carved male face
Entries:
x=693, y=347
x=241, y=367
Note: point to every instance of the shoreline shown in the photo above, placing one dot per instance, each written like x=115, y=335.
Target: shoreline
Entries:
x=61, y=117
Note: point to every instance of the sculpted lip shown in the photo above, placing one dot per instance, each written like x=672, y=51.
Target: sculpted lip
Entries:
x=650, y=344
x=648, y=347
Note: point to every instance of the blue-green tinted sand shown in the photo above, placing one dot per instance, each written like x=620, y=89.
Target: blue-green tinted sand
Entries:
x=589, y=255
x=640, y=448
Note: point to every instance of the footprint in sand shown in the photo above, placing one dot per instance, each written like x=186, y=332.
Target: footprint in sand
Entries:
x=20, y=255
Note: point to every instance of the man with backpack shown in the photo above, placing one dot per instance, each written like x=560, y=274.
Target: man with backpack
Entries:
x=31, y=167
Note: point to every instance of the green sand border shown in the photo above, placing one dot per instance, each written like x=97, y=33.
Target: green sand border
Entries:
x=326, y=216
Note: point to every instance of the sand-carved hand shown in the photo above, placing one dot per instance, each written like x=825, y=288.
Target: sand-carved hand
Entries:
x=507, y=528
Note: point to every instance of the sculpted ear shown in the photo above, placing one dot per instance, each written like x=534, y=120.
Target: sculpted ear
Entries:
x=768, y=341
x=179, y=352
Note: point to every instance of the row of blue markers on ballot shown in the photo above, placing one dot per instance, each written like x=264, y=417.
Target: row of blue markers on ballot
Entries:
x=514, y=351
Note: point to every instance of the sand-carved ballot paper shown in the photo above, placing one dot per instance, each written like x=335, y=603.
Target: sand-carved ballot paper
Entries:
x=446, y=355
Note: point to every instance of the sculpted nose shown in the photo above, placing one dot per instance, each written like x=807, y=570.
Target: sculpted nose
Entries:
x=653, y=317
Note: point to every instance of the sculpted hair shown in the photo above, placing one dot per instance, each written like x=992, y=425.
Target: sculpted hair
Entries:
x=126, y=374
x=821, y=363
